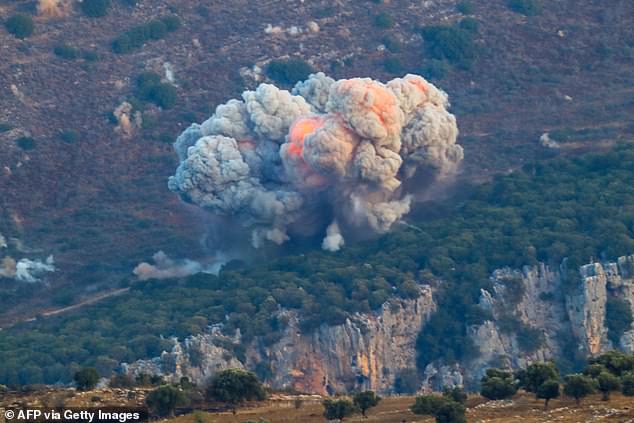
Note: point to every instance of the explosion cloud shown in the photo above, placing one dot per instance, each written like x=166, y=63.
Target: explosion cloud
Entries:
x=329, y=156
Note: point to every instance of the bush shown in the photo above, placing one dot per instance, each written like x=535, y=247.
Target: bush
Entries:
x=618, y=319
x=136, y=36
x=365, y=400
x=66, y=52
x=391, y=44
x=95, y=8
x=150, y=88
x=338, y=409
x=456, y=394
x=20, y=25
x=427, y=404
x=525, y=7
x=86, y=378
x=465, y=7
x=607, y=382
x=497, y=384
x=26, y=143
x=443, y=409
x=435, y=69
x=628, y=384
x=234, y=386
x=164, y=400
x=383, y=20
x=288, y=72
x=406, y=381
x=450, y=43
x=578, y=386
x=393, y=65
x=5, y=127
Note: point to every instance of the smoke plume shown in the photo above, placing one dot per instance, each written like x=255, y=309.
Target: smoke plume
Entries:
x=53, y=8
x=26, y=270
x=165, y=267
x=329, y=156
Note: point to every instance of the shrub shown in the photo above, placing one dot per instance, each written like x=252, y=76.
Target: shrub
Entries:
x=5, y=127
x=66, y=52
x=435, y=69
x=164, y=400
x=427, y=404
x=628, y=384
x=150, y=88
x=86, y=378
x=365, y=400
x=90, y=55
x=338, y=409
x=20, y=25
x=578, y=386
x=607, y=382
x=443, y=409
x=618, y=319
x=26, y=143
x=450, y=43
x=136, y=36
x=234, y=386
x=172, y=23
x=393, y=65
x=95, y=8
x=392, y=44
x=497, y=384
x=383, y=20
x=525, y=7
x=288, y=72
x=406, y=381
x=465, y=7
x=456, y=394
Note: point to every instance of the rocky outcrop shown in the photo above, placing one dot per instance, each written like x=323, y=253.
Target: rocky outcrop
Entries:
x=366, y=352
x=529, y=319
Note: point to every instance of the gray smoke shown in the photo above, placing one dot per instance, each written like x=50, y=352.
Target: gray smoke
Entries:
x=165, y=267
x=329, y=154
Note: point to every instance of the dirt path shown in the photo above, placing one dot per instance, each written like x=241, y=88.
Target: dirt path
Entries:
x=87, y=301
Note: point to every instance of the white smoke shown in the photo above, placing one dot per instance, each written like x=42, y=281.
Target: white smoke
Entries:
x=165, y=267
x=284, y=163
x=26, y=270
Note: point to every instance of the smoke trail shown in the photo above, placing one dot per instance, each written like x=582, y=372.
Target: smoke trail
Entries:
x=329, y=154
x=165, y=267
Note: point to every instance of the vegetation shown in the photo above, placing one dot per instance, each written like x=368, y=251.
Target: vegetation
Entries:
x=618, y=319
x=497, y=384
x=525, y=7
x=628, y=384
x=95, y=8
x=20, y=25
x=607, y=382
x=164, y=400
x=465, y=7
x=365, y=400
x=383, y=20
x=66, y=52
x=26, y=143
x=87, y=378
x=456, y=394
x=288, y=72
x=135, y=37
x=234, y=386
x=547, y=391
x=443, y=409
x=451, y=43
x=150, y=88
x=576, y=208
x=338, y=409
x=536, y=374
x=578, y=386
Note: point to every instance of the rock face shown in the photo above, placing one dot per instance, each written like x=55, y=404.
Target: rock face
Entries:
x=366, y=352
x=530, y=320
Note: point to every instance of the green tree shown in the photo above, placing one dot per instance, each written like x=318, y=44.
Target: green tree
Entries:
x=607, y=382
x=497, y=384
x=95, y=8
x=427, y=404
x=547, y=391
x=20, y=25
x=288, y=72
x=365, y=400
x=164, y=400
x=86, y=378
x=338, y=409
x=594, y=370
x=616, y=362
x=451, y=412
x=536, y=374
x=628, y=384
x=578, y=386
x=234, y=386
x=406, y=381
x=618, y=319
x=456, y=394
x=525, y=7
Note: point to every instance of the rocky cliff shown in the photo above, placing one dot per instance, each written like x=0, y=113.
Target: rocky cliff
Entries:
x=530, y=319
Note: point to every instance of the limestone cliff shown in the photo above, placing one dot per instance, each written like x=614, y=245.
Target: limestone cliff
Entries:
x=366, y=352
x=530, y=319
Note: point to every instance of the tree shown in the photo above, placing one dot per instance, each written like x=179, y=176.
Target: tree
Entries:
x=86, y=378
x=547, y=391
x=608, y=382
x=578, y=386
x=451, y=412
x=365, y=400
x=288, y=72
x=427, y=404
x=616, y=362
x=234, y=386
x=337, y=409
x=618, y=319
x=95, y=8
x=164, y=400
x=406, y=381
x=497, y=384
x=628, y=384
x=594, y=370
x=20, y=25
x=536, y=374
x=456, y=394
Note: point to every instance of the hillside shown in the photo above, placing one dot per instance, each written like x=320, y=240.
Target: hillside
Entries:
x=96, y=199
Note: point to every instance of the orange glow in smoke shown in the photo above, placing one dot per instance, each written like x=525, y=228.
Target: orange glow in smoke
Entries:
x=418, y=83
x=300, y=130
x=378, y=99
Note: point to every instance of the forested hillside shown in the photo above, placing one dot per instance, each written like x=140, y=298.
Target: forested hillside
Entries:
x=563, y=211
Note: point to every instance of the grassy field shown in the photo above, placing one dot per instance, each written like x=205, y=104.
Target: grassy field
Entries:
x=396, y=410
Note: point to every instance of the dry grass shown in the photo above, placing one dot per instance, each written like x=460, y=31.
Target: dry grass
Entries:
x=396, y=410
